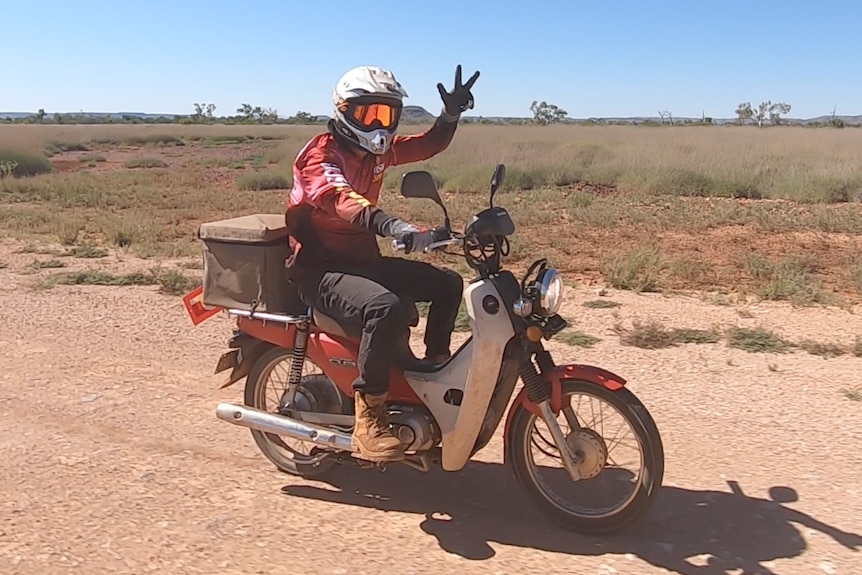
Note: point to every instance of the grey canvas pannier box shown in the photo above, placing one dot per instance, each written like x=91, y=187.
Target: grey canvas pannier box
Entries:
x=244, y=264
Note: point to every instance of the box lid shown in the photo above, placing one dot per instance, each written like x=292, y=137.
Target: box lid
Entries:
x=245, y=229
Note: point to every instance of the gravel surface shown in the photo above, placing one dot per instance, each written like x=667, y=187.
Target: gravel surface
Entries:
x=115, y=463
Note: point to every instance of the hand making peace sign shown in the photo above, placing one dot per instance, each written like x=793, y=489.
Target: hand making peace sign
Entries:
x=460, y=98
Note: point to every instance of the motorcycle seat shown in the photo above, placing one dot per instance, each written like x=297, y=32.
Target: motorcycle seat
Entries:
x=352, y=330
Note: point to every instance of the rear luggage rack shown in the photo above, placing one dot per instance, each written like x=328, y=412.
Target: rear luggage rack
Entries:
x=274, y=317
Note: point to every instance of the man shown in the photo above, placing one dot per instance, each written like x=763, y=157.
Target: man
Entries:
x=332, y=217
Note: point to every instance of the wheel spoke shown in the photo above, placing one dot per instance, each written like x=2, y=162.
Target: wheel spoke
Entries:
x=571, y=418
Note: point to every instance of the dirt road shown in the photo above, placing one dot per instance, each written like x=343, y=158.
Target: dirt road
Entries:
x=114, y=462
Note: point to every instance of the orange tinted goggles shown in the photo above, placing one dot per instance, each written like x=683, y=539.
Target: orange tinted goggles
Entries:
x=368, y=115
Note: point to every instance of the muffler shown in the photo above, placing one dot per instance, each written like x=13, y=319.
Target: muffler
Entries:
x=246, y=416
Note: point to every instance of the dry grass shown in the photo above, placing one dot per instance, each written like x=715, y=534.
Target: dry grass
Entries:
x=145, y=163
x=618, y=203
x=791, y=162
x=263, y=181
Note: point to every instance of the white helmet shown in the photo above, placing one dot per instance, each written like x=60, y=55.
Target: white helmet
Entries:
x=368, y=104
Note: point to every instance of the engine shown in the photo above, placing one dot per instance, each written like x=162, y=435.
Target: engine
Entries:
x=414, y=426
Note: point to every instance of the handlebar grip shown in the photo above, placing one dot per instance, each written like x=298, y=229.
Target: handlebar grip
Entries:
x=398, y=245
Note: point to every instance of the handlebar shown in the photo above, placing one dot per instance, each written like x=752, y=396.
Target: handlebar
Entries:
x=400, y=246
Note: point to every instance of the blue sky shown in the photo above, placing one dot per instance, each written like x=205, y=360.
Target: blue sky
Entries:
x=609, y=58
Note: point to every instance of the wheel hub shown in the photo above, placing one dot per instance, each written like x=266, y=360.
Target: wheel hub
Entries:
x=591, y=449
x=302, y=401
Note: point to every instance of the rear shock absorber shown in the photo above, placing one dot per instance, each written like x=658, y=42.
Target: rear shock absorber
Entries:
x=297, y=361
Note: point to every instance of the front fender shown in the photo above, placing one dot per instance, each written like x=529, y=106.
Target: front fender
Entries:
x=590, y=373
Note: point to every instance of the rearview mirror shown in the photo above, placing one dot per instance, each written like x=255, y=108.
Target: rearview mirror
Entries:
x=420, y=184
x=497, y=180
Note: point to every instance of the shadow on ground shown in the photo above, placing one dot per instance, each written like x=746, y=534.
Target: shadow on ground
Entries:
x=688, y=532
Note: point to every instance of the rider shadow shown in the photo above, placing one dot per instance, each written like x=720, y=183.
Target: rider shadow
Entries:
x=733, y=530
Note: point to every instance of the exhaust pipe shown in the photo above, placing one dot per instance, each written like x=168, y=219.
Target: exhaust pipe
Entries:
x=246, y=416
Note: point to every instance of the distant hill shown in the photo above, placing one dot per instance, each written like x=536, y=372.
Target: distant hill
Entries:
x=420, y=114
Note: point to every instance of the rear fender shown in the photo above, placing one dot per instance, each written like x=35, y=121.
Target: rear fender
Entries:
x=245, y=351
x=555, y=377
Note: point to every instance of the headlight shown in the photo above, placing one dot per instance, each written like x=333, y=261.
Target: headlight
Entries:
x=550, y=291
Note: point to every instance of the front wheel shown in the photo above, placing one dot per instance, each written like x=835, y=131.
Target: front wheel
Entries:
x=592, y=435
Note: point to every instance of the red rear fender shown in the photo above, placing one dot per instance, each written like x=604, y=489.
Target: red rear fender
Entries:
x=336, y=357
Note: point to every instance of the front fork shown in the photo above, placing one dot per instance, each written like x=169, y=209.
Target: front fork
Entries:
x=539, y=393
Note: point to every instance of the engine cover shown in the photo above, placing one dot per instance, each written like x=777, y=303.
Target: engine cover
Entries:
x=414, y=426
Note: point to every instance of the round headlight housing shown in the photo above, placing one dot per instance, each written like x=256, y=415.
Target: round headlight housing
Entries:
x=550, y=291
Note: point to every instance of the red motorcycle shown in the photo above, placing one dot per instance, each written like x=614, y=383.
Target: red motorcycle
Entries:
x=444, y=413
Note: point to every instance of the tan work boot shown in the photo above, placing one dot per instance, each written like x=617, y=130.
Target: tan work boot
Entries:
x=371, y=435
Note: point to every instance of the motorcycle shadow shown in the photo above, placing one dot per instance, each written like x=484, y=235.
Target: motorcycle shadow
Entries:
x=686, y=531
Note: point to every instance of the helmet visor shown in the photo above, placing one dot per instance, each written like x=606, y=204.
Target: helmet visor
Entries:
x=373, y=115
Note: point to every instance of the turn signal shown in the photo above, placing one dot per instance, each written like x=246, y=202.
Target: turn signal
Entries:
x=534, y=333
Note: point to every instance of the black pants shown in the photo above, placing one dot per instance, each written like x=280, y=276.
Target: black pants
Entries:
x=370, y=297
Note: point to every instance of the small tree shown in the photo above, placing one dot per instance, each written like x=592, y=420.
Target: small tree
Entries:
x=744, y=112
x=301, y=118
x=204, y=112
x=544, y=113
x=247, y=113
x=666, y=115
x=834, y=121
x=776, y=111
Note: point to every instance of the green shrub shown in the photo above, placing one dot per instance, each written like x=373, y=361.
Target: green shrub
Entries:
x=20, y=164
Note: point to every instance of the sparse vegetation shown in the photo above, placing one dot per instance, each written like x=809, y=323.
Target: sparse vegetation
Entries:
x=86, y=252
x=825, y=349
x=102, y=278
x=652, y=334
x=691, y=335
x=791, y=278
x=16, y=164
x=637, y=270
x=170, y=282
x=577, y=338
x=627, y=202
x=756, y=340
x=262, y=181
x=601, y=304
x=48, y=264
x=145, y=163
x=86, y=158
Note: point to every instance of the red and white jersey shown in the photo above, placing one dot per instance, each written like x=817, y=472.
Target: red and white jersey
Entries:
x=332, y=185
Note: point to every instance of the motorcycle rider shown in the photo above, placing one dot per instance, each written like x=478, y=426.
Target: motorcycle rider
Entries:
x=332, y=218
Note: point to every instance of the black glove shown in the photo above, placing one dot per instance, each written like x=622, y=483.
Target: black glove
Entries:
x=460, y=98
x=419, y=240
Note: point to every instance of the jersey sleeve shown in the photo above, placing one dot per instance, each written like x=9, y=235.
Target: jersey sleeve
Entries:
x=419, y=147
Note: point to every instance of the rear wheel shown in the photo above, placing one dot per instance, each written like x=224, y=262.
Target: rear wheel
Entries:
x=537, y=465
x=265, y=387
